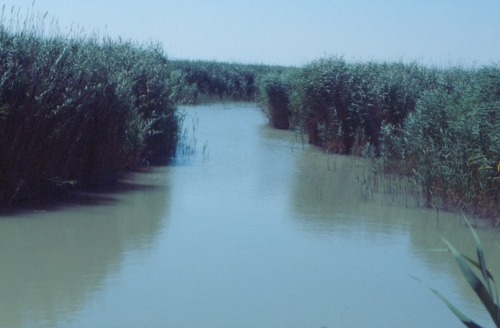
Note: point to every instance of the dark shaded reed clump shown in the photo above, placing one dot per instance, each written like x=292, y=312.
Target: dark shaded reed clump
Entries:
x=343, y=106
x=79, y=111
x=347, y=105
x=439, y=127
x=276, y=99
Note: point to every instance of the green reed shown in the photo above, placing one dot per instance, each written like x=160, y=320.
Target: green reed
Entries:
x=275, y=98
x=438, y=127
x=78, y=111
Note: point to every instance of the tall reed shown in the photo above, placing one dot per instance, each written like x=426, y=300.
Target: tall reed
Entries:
x=450, y=143
x=439, y=127
x=275, y=100
x=78, y=111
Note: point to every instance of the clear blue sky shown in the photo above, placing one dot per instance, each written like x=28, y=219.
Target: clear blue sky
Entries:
x=293, y=32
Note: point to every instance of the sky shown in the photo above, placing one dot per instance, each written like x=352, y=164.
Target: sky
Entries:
x=293, y=32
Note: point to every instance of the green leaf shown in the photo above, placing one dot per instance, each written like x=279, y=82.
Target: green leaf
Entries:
x=485, y=272
x=478, y=266
x=480, y=256
x=459, y=314
x=476, y=284
x=465, y=320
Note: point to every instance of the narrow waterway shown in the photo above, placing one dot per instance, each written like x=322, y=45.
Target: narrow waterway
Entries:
x=254, y=229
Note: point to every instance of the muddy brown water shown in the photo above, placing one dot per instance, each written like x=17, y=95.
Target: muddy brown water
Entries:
x=255, y=229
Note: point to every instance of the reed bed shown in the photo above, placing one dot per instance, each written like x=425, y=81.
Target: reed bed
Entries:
x=77, y=111
x=438, y=127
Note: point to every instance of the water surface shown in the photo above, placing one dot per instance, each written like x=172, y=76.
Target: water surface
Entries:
x=256, y=229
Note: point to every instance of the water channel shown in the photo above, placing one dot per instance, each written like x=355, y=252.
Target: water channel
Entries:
x=255, y=229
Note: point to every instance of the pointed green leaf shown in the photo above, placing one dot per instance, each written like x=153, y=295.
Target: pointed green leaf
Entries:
x=480, y=256
x=476, y=284
x=484, y=270
x=465, y=320
x=478, y=266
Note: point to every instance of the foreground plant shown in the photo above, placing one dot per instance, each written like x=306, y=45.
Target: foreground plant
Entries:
x=484, y=287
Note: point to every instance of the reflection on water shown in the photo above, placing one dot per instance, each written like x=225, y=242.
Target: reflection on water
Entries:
x=263, y=231
x=327, y=201
x=53, y=261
